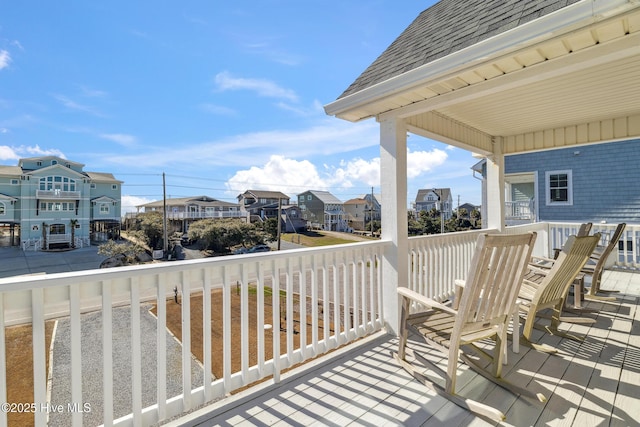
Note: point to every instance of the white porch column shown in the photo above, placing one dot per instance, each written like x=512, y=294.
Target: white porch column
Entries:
x=393, y=173
x=495, y=188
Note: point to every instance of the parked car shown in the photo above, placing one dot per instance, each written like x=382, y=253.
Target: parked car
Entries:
x=252, y=250
x=259, y=248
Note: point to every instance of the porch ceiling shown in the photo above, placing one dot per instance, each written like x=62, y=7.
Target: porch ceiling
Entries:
x=553, y=83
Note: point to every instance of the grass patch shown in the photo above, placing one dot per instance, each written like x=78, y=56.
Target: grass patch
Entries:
x=314, y=238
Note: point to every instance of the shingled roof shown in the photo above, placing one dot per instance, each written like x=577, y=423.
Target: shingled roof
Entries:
x=447, y=27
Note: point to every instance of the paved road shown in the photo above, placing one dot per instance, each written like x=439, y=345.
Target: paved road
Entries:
x=14, y=261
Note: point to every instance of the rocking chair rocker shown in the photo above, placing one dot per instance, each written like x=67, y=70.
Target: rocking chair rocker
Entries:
x=484, y=310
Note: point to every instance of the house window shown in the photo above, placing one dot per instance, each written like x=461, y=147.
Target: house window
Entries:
x=14, y=182
x=104, y=208
x=114, y=186
x=2, y=209
x=93, y=186
x=57, y=229
x=559, y=188
x=39, y=163
x=309, y=197
x=59, y=183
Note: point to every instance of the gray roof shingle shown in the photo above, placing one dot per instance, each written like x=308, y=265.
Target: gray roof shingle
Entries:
x=447, y=27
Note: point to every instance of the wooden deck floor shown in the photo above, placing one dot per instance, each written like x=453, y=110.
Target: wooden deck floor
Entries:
x=591, y=383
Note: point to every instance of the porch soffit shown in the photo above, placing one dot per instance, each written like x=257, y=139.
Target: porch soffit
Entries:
x=575, y=88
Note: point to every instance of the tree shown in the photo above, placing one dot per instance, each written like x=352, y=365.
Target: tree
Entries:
x=221, y=235
x=270, y=227
x=73, y=223
x=374, y=226
x=151, y=225
x=475, y=218
x=112, y=248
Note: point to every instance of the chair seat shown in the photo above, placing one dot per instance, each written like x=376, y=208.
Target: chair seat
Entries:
x=547, y=288
x=486, y=303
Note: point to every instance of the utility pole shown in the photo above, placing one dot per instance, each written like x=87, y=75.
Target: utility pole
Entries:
x=279, y=220
x=164, y=217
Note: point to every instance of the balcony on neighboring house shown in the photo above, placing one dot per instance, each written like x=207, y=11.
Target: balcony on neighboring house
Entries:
x=205, y=215
x=520, y=212
x=233, y=331
x=58, y=194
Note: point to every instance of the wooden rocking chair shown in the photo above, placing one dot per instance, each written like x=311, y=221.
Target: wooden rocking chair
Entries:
x=547, y=288
x=484, y=311
x=596, y=264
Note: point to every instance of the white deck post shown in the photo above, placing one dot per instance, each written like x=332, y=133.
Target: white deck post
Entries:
x=495, y=189
x=393, y=172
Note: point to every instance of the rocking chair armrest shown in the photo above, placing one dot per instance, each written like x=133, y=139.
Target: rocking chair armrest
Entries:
x=425, y=301
x=542, y=262
x=543, y=271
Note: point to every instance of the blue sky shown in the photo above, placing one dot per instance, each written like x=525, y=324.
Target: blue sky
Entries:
x=220, y=96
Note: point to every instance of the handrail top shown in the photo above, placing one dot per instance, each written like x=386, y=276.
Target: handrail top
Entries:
x=18, y=283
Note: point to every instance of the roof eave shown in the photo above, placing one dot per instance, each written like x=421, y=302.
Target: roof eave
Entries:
x=563, y=20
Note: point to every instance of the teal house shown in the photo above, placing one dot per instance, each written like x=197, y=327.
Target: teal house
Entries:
x=50, y=202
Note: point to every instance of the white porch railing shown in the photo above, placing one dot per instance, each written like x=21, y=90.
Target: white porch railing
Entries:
x=339, y=286
x=58, y=194
x=437, y=260
x=521, y=210
x=205, y=215
x=556, y=233
x=334, y=291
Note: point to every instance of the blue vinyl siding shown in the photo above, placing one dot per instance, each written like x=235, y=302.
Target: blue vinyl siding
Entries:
x=606, y=181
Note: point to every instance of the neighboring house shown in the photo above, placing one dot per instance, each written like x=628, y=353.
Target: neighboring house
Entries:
x=52, y=202
x=361, y=211
x=437, y=198
x=183, y=211
x=469, y=208
x=589, y=183
x=356, y=213
x=263, y=204
x=520, y=205
x=292, y=219
x=375, y=207
x=323, y=210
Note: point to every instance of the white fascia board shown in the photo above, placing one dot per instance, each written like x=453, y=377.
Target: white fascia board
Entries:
x=563, y=20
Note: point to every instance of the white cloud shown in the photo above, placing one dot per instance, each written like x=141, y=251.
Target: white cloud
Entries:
x=419, y=162
x=92, y=93
x=16, y=153
x=129, y=203
x=72, y=105
x=8, y=153
x=217, y=109
x=5, y=59
x=363, y=171
x=17, y=44
x=225, y=81
x=120, y=138
x=278, y=174
x=325, y=139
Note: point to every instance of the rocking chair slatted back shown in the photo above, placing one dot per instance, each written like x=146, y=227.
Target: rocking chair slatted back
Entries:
x=493, y=283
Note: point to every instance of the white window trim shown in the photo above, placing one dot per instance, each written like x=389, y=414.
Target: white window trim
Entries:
x=547, y=176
